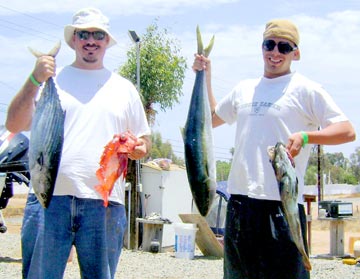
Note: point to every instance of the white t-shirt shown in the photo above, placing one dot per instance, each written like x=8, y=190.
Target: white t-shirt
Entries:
x=267, y=111
x=98, y=105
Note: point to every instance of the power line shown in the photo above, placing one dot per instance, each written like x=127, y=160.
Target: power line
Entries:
x=8, y=85
x=29, y=30
x=30, y=16
x=36, y=32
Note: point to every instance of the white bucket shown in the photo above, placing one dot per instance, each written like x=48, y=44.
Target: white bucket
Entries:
x=185, y=240
x=357, y=249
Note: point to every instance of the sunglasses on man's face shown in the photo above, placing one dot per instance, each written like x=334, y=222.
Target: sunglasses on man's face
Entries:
x=85, y=35
x=283, y=47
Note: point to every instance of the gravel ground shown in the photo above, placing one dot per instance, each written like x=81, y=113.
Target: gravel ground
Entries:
x=137, y=264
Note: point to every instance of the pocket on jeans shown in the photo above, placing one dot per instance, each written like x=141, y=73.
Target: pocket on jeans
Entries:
x=32, y=200
x=233, y=218
x=116, y=204
x=279, y=225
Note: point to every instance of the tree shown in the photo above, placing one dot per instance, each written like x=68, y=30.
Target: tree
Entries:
x=355, y=163
x=335, y=166
x=162, y=70
x=311, y=175
x=222, y=170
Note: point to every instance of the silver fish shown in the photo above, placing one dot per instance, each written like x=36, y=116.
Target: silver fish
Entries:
x=284, y=168
x=46, y=139
x=198, y=141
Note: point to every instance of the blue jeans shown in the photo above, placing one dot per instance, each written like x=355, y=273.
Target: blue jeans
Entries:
x=257, y=241
x=48, y=234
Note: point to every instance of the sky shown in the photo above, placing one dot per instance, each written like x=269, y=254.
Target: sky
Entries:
x=329, y=45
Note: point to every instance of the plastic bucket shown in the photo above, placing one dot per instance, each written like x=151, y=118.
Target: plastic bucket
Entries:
x=357, y=249
x=185, y=240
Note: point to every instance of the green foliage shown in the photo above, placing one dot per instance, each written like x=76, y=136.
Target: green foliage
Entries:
x=355, y=163
x=311, y=175
x=222, y=170
x=162, y=70
x=335, y=167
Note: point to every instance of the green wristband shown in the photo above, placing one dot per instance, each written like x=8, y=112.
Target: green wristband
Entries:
x=34, y=81
x=305, y=138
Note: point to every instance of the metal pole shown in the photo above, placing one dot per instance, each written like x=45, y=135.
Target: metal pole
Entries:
x=136, y=188
x=138, y=65
x=138, y=185
x=319, y=173
x=136, y=39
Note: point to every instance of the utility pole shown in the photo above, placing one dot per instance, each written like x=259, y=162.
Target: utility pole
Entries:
x=135, y=187
x=320, y=179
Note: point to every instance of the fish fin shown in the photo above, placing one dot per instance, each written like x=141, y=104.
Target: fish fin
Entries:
x=53, y=52
x=307, y=264
x=200, y=46
x=40, y=160
x=201, y=50
x=104, y=194
x=208, y=49
x=182, y=131
x=41, y=197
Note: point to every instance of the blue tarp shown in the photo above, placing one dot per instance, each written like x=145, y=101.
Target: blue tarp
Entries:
x=221, y=190
x=216, y=217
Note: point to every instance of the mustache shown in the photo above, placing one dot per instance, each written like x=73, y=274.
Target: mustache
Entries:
x=91, y=45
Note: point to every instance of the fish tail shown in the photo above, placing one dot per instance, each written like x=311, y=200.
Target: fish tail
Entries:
x=201, y=50
x=53, y=52
x=307, y=263
x=104, y=194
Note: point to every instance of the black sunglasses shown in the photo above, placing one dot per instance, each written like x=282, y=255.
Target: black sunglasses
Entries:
x=85, y=35
x=283, y=47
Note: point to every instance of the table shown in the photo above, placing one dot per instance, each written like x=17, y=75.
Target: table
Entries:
x=151, y=236
x=336, y=235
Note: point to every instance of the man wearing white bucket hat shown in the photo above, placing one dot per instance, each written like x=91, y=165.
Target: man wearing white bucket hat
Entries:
x=98, y=105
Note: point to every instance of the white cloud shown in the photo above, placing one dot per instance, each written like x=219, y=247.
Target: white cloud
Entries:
x=111, y=7
x=330, y=43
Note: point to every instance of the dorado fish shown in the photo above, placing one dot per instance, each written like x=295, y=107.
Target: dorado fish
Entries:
x=198, y=141
x=46, y=139
x=113, y=163
x=284, y=168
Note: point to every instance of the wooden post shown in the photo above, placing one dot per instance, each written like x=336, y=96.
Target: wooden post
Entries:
x=131, y=177
x=337, y=237
x=309, y=199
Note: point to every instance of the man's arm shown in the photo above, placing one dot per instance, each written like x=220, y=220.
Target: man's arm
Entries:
x=21, y=108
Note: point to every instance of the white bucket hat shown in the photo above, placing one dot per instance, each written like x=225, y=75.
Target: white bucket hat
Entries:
x=88, y=18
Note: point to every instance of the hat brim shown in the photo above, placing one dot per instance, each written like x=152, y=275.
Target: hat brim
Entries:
x=69, y=32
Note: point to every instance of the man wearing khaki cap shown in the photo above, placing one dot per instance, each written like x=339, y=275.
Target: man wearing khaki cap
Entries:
x=98, y=104
x=281, y=106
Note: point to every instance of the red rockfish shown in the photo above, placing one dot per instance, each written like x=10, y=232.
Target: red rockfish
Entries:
x=113, y=163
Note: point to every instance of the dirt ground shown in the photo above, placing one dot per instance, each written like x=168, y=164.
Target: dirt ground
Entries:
x=320, y=229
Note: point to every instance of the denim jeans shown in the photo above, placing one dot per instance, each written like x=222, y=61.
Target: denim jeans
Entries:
x=257, y=241
x=48, y=234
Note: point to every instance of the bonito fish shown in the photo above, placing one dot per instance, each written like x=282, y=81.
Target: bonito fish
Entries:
x=284, y=168
x=113, y=163
x=46, y=140
x=198, y=141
